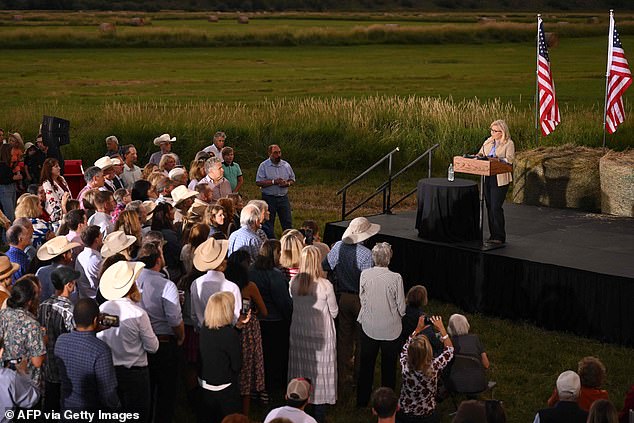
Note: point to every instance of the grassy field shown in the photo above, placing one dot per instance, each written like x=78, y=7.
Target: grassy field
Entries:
x=334, y=109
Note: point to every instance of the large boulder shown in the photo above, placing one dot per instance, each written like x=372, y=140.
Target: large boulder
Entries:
x=562, y=177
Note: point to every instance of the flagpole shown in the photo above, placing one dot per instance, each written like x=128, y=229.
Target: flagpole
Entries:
x=607, y=73
x=539, y=17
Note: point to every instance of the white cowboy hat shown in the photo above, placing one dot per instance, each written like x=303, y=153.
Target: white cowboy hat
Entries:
x=359, y=230
x=7, y=268
x=163, y=138
x=104, y=163
x=54, y=247
x=149, y=208
x=176, y=172
x=118, y=278
x=181, y=193
x=116, y=242
x=210, y=254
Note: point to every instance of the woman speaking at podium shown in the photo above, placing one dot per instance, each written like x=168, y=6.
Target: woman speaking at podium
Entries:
x=498, y=146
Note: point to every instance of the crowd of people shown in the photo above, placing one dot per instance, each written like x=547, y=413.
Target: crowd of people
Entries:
x=158, y=277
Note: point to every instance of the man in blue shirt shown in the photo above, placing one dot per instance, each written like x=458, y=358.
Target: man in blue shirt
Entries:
x=19, y=238
x=274, y=177
x=88, y=377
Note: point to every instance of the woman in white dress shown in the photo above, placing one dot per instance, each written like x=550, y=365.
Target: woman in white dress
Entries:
x=313, y=346
x=56, y=190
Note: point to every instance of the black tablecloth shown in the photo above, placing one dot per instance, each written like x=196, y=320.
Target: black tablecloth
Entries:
x=448, y=211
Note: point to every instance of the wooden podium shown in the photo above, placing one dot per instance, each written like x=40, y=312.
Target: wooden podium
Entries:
x=483, y=167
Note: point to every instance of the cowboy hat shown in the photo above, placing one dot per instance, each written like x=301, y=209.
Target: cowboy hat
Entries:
x=118, y=278
x=210, y=254
x=28, y=145
x=176, y=172
x=163, y=138
x=116, y=242
x=149, y=207
x=359, y=230
x=7, y=268
x=104, y=163
x=55, y=247
x=181, y=193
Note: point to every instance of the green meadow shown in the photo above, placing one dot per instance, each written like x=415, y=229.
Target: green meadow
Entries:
x=336, y=91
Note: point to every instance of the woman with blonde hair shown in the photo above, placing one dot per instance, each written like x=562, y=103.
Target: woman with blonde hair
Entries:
x=291, y=249
x=29, y=206
x=167, y=163
x=220, y=359
x=420, y=371
x=148, y=170
x=128, y=222
x=498, y=147
x=313, y=338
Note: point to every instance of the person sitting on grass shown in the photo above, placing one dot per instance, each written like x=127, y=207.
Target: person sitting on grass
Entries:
x=297, y=396
x=592, y=374
x=566, y=410
x=385, y=405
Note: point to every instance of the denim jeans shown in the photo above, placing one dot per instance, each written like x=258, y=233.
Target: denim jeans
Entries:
x=277, y=206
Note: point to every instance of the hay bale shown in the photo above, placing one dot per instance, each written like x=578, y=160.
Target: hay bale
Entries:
x=552, y=39
x=213, y=18
x=562, y=177
x=137, y=21
x=617, y=183
x=243, y=19
x=107, y=27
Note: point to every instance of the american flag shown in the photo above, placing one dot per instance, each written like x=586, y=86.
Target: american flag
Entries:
x=548, y=107
x=619, y=79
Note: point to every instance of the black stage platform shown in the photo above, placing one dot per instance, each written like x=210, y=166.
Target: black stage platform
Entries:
x=560, y=269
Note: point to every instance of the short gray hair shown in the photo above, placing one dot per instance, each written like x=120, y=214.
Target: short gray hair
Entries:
x=91, y=172
x=260, y=204
x=210, y=162
x=382, y=254
x=250, y=215
x=112, y=138
x=458, y=325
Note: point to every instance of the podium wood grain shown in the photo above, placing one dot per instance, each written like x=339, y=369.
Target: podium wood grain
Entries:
x=480, y=167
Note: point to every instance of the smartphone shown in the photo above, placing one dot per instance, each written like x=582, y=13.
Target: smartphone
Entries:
x=246, y=306
x=108, y=320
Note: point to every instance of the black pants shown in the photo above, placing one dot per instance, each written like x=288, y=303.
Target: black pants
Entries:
x=216, y=405
x=275, y=348
x=494, y=196
x=52, y=396
x=163, y=366
x=369, y=351
x=278, y=206
x=134, y=390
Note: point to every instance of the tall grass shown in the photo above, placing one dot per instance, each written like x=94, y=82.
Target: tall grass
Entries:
x=331, y=133
x=161, y=37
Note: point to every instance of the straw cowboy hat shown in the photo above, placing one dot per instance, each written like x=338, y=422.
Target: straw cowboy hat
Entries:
x=104, y=163
x=149, y=207
x=116, y=242
x=359, y=230
x=7, y=268
x=181, y=193
x=55, y=247
x=210, y=254
x=176, y=172
x=163, y=138
x=118, y=278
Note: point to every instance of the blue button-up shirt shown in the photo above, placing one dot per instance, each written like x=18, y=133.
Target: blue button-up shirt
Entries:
x=245, y=239
x=160, y=301
x=19, y=257
x=269, y=170
x=88, y=378
x=348, y=261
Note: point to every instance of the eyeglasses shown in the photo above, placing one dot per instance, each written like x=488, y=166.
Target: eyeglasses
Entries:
x=495, y=130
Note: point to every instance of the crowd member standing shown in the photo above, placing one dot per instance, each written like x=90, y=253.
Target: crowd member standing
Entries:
x=246, y=237
x=87, y=374
x=217, y=144
x=233, y=173
x=131, y=172
x=112, y=145
x=9, y=175
x=31, y=208
x=313, y=350
x=7, y=269
x=161, y=302
x=219, y=185
x=59, y=251
x=89, y=262
x=94, y=180
x=347, y=259
x=566, y=410
x=274, y=177
x=56, y=191
x=132, y=340
x=164, y=142
x=105, y=204
x=56, y=316
x=382, y=300
x=19, y=239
